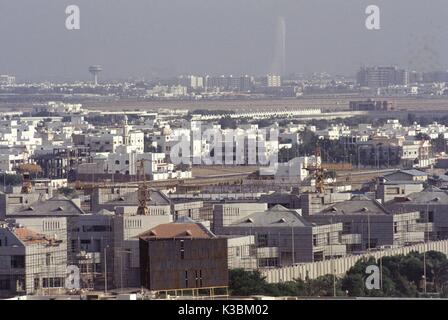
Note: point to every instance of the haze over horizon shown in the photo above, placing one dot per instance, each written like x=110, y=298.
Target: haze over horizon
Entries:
x=160, y=38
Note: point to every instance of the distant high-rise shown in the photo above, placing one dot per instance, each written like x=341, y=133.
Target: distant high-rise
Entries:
x=191, y=81
x=95, y=70
x=272, y=80
x=7, y=80
x=243, y=83
x=279, y=62
x=380, y=76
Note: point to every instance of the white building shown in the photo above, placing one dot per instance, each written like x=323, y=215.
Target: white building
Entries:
x=272, y=80
x=58, y=107
x=7, y=80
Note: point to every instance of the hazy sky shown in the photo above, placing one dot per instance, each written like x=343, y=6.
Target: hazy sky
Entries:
x=147, y=38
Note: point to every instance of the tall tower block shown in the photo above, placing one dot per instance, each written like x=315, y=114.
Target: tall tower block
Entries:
x=95, y=70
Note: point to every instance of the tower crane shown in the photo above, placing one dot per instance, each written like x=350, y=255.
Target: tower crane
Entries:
x=144, y=192
x=319, y=169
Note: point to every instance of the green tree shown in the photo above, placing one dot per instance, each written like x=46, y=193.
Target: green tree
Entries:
x=246, y=283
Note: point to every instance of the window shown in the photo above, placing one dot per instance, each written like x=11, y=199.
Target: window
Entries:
x=196, y=278
x=268, y=262
x=395, y=227
x=5, y=284
x=52, y=282
x=48, y=259
x=182, y=249
x=117, y=161
x=96, y=228
x=237, y=251
x=314, y=240
x=36, y=283
x=431, y=216
x=186, y=278
x=126, y=162
x=57, y=282
x=17, y=262
x=263, y=240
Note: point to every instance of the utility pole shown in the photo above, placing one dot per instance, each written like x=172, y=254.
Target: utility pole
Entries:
x=121, y=266
x=292, y=244
x=381, y=270
x=332, y=258
x=121, y=271
x=424, y=249
x=424, y=270
x=105, y=269
x=368, y=230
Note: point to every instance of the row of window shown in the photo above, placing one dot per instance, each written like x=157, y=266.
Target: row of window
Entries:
x=49, y=283
x=118, y=162
x=197, y=278
x=133, y=223
x=51, y=225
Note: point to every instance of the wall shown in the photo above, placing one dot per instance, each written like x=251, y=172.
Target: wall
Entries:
x=342, y=265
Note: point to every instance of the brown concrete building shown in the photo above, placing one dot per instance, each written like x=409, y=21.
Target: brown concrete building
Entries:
x=176, y=256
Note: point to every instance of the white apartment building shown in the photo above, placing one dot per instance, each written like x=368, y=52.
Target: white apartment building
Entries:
x=104, y=143
x=126, y=161
x=191, y=81
x=58, y=107
x=272, y=80
x=7, y=80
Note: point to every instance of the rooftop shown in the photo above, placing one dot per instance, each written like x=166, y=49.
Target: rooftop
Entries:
x=430, y=195
x=56, y=206
x=411, y=172
x=277, y=216
x=131, y=199
x=29, y=237
x=177, y=230
x=358, y=205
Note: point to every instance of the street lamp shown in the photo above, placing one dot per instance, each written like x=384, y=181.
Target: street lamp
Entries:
x=128, y=251
x=105, y=269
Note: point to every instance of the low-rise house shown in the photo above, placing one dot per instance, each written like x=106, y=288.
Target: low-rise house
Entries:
x=407, y=175
x=432, y=205
x=388, y=190
x=30, y=262
x=367, y=224
x=182, y=255
x=111, y=241
x=126, y=200
x=283, y=237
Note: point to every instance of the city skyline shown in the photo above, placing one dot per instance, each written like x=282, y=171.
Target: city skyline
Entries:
x=164, y=38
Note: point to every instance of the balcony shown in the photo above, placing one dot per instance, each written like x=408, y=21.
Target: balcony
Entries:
x=410, y=237
x=335, y=250
x=425, y=227
x=354, y=238
x=267, y=252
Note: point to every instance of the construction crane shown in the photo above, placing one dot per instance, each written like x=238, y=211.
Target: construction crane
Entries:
x=318, y=170
x=27, y=170
x=144, y=192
